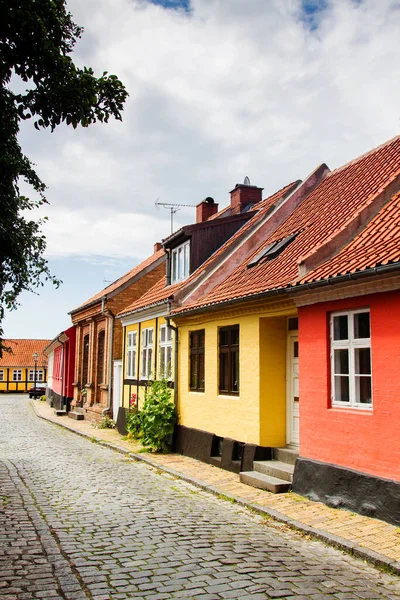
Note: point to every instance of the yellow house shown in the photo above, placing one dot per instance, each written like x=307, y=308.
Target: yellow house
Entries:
x=24, y=365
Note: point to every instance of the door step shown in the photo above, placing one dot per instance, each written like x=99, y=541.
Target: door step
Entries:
x=265, y=482
x=78, y=416
x=274, y=475
x=60, y=412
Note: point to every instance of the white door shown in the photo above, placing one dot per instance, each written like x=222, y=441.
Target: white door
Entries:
x=292, y=412
x=117, y=388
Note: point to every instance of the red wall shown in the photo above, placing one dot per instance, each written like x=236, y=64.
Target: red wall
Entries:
x=364, y=440
x=69, y=362
x=57, y=364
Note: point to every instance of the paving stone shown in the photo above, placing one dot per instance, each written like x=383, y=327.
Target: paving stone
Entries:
x=102, y=527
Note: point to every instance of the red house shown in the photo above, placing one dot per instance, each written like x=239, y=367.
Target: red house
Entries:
x=349, y=335
x=61, y=360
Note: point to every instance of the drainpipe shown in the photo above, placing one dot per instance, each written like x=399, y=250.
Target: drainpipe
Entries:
x=175, y=330
x=109, y=314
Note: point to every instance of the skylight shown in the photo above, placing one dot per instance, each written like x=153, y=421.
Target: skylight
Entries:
x=272, y=250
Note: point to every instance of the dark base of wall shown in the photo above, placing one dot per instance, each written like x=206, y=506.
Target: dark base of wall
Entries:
x=58, y=402
x=226, y=453
x=344, y=488
x=121, y=421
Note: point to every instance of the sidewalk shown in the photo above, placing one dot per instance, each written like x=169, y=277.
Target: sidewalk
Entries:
x=370, y=539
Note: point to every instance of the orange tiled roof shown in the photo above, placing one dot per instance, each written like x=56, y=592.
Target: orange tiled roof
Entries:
x=122, y=280
x=22, y=351
x=160, y=292
x=377, y=244
x=319, y=217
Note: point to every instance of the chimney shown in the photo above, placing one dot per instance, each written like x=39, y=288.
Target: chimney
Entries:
x=243, y=195
x=157, y=247
x=205, y=210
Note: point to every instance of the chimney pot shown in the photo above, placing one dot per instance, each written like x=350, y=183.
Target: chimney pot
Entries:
x=157, y=247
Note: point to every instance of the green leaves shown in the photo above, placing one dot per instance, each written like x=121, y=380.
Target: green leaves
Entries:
x=154, y=425
x=36, y=40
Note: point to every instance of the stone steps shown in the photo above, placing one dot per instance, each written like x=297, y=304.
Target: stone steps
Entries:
x=274, y=475
x=60, y=412
x=78, y=416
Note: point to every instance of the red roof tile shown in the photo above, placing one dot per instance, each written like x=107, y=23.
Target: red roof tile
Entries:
x=22, y=351
x=320, y=216
x=377, y=244
x=148, y=262
x=160, y=292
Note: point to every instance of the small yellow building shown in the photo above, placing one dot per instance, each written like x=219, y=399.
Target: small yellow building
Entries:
x=23, y=365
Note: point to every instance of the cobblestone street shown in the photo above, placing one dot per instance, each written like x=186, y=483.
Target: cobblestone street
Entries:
x=81, y=521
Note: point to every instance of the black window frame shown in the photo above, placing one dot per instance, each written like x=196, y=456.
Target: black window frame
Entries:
x=231, y=350
x=196, y=365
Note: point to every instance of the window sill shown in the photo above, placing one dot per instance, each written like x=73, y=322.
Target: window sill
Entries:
x=367, y=409
x=228, y=396
x=196, y=391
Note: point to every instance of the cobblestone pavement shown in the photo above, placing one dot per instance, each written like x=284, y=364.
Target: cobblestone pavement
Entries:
x=80, y=521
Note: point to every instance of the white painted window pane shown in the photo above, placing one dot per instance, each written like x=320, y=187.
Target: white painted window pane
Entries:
x=186, y=260
x=363, y=390
x=361, y=325
x=341, y=327
x=342, y=389
x=341, y=361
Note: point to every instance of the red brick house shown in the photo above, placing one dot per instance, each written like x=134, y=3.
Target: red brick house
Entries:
x=98, y=374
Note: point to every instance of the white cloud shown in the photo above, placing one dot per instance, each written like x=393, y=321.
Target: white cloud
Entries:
x=230, y=89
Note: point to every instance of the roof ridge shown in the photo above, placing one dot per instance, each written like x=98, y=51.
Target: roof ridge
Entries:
x=362, y=156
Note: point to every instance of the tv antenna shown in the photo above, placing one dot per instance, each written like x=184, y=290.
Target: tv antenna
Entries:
x=173, y=208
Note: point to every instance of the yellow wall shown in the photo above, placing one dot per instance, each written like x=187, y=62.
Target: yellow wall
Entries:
x=133, y=387
x=17, y=386
x=258, y=414
x=272, y=359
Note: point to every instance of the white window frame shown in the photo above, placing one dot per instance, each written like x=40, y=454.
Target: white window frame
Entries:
x=351, y=345
x=17, y=375
x=1, y=375
x=165, y=368
x=147, y=352
x=131, y=354
x=39, y=375
x=180, y=262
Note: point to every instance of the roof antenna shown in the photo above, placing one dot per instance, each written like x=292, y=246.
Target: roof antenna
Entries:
x=173, y=208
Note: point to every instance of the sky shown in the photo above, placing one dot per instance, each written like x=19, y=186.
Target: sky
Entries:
x=218, y=90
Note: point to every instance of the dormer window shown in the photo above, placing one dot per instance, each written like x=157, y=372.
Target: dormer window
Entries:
x=180, y=262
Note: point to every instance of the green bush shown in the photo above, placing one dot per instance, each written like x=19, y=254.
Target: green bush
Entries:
x=133, y=422
x=106, y=423
x=158, y=417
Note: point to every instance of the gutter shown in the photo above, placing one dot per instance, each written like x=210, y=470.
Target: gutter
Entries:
x=175, y=330
x=110, y=315
x=380, y=270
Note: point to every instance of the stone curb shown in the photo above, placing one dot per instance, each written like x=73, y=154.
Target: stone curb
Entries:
x=374, y=558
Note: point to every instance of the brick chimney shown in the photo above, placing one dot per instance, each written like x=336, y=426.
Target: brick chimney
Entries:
x=205, y=210
x=157, y=247
x=244, y=194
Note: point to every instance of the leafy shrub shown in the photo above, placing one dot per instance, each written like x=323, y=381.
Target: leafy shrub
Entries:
x=43, y=398
x=158, y=417
x=106, y=423
x=133, y=422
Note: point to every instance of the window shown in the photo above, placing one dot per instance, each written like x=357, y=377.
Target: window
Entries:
x=229, y=360
x=85, y=361
x=196, y=349
x=351, y=359
x=131, y=355
x=272, y=250
x=1, y=375
x=165, y=352
x=39, y=375
x=100, y=356
x=17, y=375
x=180, y=262
x=147, y=352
